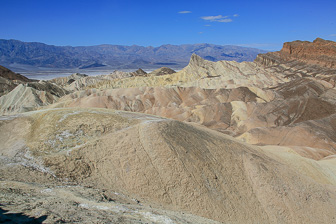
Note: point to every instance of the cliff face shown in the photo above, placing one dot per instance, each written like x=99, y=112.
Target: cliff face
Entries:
x=319, y=52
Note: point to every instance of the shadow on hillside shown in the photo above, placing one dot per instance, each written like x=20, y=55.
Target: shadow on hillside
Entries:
x=19, y=218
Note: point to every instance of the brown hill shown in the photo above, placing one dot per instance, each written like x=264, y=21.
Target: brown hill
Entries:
x=8, y=74
x=9, y=80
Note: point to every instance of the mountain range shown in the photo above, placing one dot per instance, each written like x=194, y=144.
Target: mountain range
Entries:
x=16, y=54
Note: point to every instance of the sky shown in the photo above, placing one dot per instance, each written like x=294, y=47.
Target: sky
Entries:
x=259, y=24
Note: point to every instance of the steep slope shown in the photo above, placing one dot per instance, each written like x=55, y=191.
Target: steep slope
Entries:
x=168, y=163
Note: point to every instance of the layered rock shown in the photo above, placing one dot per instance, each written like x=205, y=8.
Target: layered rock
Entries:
x=316, y=56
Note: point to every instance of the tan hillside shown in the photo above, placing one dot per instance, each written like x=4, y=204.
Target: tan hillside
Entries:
x=167, y=163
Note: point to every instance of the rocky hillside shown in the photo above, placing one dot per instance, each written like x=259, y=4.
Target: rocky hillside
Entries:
x=15, y=53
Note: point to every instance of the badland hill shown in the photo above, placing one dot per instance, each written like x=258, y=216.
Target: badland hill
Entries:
x=217, y=142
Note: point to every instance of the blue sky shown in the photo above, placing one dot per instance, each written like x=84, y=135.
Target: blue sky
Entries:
x=261, y=24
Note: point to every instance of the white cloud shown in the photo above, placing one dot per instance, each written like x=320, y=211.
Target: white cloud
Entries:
x=219, y=18
x=207, y=25
x=184, y=12
x=333, y=35
x=225, y=20
x=235, y=15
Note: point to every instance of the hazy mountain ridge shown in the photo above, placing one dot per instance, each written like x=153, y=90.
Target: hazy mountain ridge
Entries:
x=117, y=56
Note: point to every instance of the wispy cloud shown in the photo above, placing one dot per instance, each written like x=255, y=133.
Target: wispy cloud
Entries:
x=207, y=25
x=333, y=35
x=235, y=15
x=184, y=12
x=219, y=18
